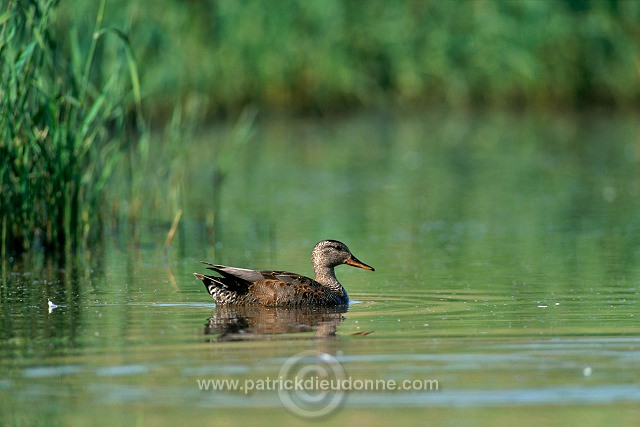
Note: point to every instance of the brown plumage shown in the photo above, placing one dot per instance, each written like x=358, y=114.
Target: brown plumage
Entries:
x=280, y=288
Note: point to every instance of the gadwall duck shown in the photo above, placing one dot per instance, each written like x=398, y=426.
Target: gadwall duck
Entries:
x=280, y=288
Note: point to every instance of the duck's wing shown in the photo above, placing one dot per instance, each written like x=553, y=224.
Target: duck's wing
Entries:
x=254, y=276
x=238, y=273
x=287, y=278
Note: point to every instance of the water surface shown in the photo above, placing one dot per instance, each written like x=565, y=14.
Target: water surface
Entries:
x=507, y=255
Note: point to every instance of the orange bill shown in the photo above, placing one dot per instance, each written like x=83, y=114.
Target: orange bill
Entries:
x=357, y=263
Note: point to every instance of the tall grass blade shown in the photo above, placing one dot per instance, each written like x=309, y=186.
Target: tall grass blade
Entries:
x=61, y=129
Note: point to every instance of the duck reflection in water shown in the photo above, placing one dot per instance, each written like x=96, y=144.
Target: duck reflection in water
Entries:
x=255, y=322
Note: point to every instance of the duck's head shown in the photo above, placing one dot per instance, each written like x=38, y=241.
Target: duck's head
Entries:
x=330, y=253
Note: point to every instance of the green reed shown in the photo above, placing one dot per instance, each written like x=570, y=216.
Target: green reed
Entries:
x=328, y=55
x=63, y=113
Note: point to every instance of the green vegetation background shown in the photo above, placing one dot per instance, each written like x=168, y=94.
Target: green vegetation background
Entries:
x=327, y=55
x=88, y=87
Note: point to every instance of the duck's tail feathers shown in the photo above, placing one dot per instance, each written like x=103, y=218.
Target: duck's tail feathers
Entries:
x=223, y=289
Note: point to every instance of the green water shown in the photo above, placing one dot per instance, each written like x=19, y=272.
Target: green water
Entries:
x=507, y=255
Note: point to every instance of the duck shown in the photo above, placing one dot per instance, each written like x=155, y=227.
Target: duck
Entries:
x=241, y=286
